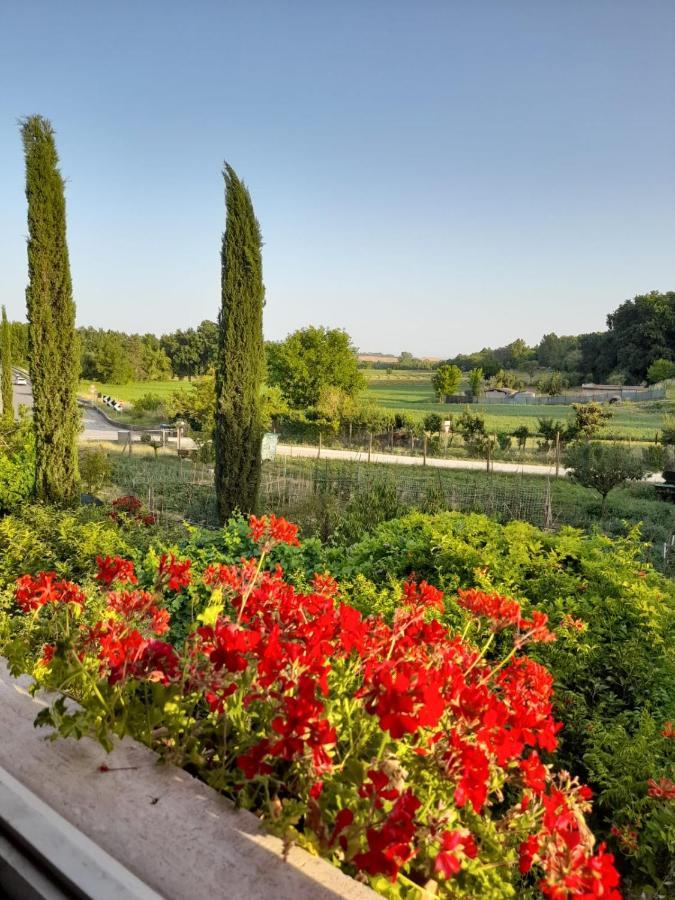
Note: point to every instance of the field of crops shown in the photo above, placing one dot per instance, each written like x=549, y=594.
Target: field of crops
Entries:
x=635, y=421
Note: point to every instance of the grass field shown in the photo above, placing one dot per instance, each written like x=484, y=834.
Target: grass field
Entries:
x=636, y=421
x=134, y=389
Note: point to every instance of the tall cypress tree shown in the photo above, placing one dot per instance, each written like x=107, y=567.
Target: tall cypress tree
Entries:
x=6, y=351
x=240, y=361
x=52, y=341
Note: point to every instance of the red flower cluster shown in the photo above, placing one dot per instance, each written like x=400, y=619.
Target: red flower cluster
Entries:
x=268, y=530
x=114, y=568
x=130, y=508
x=31, y=592
x=141, y=606
x=668, y=730
x=127, y=504
x=503, y=613
x=563, y=849
x=319, y=702
x=455, y=845
x=391, y=845
x=573, y=624
x=173, y=573
x=627, y=838
x=663, y=789
x=125, y=653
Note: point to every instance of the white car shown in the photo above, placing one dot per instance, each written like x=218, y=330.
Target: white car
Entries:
x=20, y=380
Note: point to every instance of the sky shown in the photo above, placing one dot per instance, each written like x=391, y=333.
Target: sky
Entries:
x=431, y=176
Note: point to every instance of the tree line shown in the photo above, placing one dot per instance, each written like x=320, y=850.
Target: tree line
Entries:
x=115, y=357
x=638, y=345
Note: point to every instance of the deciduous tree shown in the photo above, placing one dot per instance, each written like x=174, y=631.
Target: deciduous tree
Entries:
x=310, y=360
x=660, y=370
x=446, y=380
x=602, y=466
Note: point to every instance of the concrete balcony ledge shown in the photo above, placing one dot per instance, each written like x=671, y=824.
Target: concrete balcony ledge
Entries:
x=164, y=830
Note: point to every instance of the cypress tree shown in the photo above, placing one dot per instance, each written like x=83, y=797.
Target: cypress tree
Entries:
x=240, y=360
x=52, y=341
x=6, y=351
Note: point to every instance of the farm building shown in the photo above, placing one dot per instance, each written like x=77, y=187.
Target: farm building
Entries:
x=499, y=393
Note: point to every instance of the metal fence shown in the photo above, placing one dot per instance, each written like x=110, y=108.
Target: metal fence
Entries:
x=290, y=486
x=655, y=393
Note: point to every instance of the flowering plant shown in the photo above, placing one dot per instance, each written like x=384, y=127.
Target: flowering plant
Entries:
x=403, y=752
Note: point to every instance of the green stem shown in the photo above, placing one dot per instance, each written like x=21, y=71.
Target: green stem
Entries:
x=249, y=589
x=482, y=653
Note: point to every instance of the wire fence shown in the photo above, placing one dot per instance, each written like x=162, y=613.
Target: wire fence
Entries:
x=318, y=494
x=185, y=489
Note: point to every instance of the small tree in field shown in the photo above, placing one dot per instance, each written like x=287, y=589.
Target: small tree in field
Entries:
x=446, y=380
x=433, y=423
x=589, y=418
x=602, y=467
x=95, y=469
x=241, y=355
x=53, y=346
x=521, y=434
x=471, y=426
x=6, y=351
x=476, y=382
x=553, y=384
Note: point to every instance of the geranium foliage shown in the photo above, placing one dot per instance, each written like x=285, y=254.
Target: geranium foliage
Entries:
x=403, y=751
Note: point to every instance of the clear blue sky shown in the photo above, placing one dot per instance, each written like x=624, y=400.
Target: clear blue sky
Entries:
x=431, y=176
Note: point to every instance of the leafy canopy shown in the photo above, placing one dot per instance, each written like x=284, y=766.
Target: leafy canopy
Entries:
x=312, y=359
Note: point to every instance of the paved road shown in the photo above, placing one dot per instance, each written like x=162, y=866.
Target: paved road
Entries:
x=23, y=395
x=398, y=459
x=401, y=460
x=96, y=428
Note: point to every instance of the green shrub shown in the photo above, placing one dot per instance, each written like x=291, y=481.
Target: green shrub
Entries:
x=17, y=463
x=95, y=468
x=615, y=678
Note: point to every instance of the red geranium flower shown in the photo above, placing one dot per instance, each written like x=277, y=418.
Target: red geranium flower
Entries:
x=33, y=592
x=455, y=845
x=273, y=529
x=174, y=573
x=663, y=789
x=114, y=568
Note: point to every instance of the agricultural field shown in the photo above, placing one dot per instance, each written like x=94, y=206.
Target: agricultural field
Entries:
x=402, y=390
x=127, y=393
x=413, y=393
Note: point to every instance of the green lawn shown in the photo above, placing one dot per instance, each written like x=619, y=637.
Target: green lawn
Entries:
x=135, y=389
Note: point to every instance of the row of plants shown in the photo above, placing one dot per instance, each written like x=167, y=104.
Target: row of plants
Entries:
x=175, y=652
